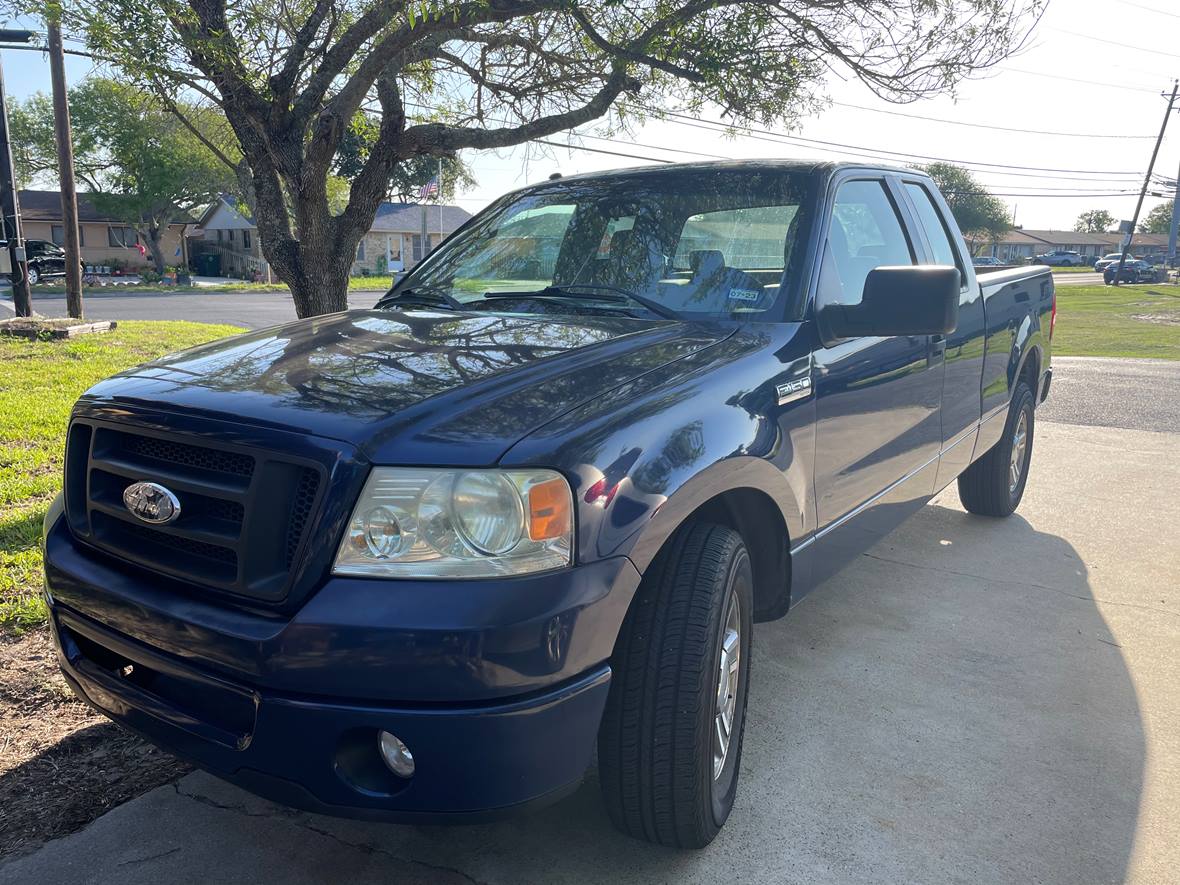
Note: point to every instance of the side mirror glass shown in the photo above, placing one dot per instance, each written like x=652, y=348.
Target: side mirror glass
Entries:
x=904, y=300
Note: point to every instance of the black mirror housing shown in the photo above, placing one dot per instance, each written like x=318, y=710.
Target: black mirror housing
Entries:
x=905, y=300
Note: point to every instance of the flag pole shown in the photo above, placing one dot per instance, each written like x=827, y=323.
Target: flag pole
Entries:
x=438, y=199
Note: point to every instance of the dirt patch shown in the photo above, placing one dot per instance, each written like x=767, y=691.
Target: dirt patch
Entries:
x=61, y=764
x=1167, y=319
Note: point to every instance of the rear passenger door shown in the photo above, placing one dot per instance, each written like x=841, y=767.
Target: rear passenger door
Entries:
x=878, y=433
x=964, y=347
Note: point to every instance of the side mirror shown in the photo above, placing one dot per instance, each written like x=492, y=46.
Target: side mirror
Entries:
x=903, y=300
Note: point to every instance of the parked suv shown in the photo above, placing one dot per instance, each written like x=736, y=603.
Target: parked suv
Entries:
x=1134, y=271
x=45, y=259
x=1061, y=258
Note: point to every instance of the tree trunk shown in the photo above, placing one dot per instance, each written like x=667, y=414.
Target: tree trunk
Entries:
x=157, y=249
x=321, y=284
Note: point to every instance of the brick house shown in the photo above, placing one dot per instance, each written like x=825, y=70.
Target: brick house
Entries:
x=394, y=242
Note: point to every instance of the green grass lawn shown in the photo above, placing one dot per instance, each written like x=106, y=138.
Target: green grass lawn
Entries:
x=38, y=385
x=1131, y=320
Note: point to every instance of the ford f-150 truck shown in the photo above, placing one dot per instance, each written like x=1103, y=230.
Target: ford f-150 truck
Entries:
x=422, y=562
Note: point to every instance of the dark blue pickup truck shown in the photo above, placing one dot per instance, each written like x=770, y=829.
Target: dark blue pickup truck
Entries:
x=420, y=562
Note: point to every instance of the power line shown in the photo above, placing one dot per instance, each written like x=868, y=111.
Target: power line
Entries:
x=1098, y=83
x=1148, y=8
x=873, y=152
x=1108, y=42
x=987, y=125
x=575, y=147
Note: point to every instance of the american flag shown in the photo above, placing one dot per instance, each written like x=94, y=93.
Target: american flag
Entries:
x=428, y=190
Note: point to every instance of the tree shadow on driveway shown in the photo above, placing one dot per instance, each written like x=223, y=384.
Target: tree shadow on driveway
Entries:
x=950, y=708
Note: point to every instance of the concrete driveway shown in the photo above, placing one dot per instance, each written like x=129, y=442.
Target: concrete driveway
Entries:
x=1077, y=278
x=972, y=701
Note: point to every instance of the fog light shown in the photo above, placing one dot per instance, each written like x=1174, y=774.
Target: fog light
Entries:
x=395, y=754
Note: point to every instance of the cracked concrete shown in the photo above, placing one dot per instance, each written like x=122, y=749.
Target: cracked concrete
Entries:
x=974, y=701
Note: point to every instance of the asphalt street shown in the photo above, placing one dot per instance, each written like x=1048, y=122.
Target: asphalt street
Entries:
x=250, y=310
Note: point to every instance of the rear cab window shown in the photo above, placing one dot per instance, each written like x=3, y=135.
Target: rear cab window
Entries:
x=938, y=236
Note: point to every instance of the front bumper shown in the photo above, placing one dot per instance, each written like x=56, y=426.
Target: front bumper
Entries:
x=499, y=704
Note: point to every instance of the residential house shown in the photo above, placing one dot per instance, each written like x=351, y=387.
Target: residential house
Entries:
x=394, y=242
x=1022, y=244
x=106, y=241
x=225, y=242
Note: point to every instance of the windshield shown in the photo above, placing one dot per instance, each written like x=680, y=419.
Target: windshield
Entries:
x=695, y=243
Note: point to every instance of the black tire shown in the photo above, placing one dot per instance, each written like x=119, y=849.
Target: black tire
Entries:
x=656, y=744
x=986, y=487
x=34, y=274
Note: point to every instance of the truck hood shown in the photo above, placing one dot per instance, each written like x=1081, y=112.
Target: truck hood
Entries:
x=411, y=387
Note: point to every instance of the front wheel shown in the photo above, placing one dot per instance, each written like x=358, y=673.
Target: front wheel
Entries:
x=994, y=485
x=670, y=744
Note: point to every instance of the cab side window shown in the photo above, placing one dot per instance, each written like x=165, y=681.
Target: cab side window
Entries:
x=936, y=232
x=865, y=233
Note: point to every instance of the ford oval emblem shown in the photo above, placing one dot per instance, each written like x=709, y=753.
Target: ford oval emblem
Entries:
x=151, y=503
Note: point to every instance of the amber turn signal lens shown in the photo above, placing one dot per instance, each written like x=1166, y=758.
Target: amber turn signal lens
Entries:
x=549, y=510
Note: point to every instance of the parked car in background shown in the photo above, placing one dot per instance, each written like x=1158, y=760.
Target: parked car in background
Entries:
x=1102, y=263
x=1134, y=271
x=421, y=562
x=986, y=261
x=45, y=259
x=1061, y=258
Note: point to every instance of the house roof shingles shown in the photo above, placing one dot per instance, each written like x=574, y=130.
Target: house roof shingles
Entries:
x=38, y=205
x=401, y=217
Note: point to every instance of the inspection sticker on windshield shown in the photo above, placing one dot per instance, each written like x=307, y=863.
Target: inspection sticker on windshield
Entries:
x=744, y=294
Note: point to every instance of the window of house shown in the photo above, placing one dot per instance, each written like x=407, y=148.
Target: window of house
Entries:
x=57, y=233
x=245, y=239
x=119, y=237
x=360, y=250
x=219, y=233
x=230, y=235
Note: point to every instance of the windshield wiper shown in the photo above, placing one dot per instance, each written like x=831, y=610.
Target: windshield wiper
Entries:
x=421, y=298
x=570, y=291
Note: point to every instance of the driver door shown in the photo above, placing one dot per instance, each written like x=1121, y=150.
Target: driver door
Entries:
x=878, y=430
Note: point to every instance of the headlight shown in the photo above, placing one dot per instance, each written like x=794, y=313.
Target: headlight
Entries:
x=427, y=523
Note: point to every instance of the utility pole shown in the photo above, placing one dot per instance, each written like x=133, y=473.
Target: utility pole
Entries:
x=1175, y=224
x=9, y=202
x=1118, y=276
x=65, y=168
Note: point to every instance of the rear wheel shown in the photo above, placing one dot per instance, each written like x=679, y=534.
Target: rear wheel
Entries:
x=994, y=485
x=34, y=275
x=671, y=739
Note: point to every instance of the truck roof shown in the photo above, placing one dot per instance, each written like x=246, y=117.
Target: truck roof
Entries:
x=811, y=166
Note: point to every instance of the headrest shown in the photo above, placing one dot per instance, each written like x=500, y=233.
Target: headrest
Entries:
x=706, y=262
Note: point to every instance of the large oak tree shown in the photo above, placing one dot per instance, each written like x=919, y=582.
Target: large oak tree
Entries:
x=437, y=77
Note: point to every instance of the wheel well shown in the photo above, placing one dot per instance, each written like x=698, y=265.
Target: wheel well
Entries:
x=754, y=515
x=1030, y=372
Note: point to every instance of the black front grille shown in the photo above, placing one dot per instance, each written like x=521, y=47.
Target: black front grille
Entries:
x=244, y=514
x=301, y=510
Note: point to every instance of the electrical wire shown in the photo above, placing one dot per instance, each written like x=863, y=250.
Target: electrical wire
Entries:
x=989, y=125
